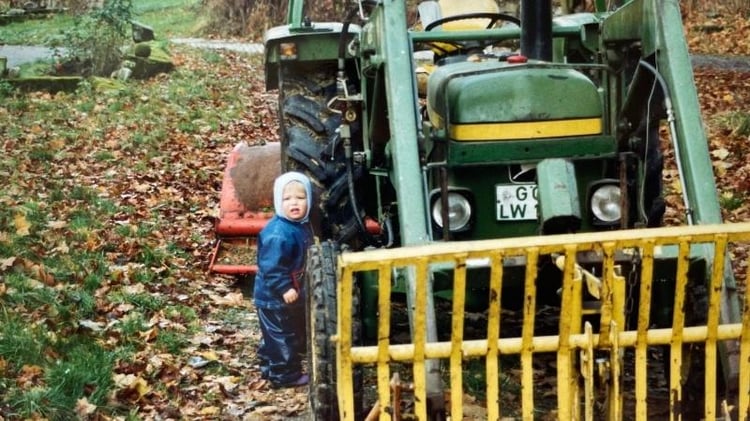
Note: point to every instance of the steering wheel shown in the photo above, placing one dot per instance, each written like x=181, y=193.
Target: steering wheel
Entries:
x=493, y=17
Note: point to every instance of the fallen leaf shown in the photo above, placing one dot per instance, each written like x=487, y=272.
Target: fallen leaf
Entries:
x=22, y=225
x=6, y=263
x=90, y=324
x=84, y=408
x=57, y=224
x=720, y=153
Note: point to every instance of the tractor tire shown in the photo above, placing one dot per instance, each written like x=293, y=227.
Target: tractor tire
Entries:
x=310, y=143
x=321, y=325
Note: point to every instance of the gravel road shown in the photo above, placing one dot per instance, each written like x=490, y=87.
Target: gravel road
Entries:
x=20, y=54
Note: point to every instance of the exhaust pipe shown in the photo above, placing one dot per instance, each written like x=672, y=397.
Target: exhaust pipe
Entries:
x=536, y=29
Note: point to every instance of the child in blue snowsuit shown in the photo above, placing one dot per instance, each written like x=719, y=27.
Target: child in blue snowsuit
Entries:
x=279, y=287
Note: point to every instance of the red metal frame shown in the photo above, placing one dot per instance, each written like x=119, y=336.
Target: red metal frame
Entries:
x=236, y=223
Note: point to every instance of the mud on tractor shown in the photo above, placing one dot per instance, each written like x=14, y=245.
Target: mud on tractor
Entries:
x=494, y=161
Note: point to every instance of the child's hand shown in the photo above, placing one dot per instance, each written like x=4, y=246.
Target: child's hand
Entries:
x=290, y=296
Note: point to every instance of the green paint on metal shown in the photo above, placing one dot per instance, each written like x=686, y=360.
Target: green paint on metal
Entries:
x=399, y=77
x=559, y=203
x=480, y=92
x=468, y=153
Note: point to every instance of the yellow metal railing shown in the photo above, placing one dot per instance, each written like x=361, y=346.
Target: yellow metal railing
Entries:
x=576, y=344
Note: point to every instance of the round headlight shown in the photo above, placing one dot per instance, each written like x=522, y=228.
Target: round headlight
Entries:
x=459, y=212
x=605, y=203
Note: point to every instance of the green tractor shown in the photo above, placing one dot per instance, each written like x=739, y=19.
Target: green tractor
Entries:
x=459, y=121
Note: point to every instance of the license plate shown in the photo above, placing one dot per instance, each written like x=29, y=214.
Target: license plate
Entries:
x=516, y=202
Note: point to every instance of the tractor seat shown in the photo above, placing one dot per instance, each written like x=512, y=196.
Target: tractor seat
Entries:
x=430, y=11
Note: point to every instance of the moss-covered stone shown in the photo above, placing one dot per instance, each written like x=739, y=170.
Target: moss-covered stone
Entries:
x=142, y=50
x=52, y=84
x=158, y=61
x=103, y=84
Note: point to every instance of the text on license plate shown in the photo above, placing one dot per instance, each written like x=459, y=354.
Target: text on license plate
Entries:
x=516, y=202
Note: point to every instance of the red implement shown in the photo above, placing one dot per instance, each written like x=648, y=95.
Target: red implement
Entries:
x=246, y=196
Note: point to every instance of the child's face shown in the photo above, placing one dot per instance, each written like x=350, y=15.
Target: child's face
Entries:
x=294, y=201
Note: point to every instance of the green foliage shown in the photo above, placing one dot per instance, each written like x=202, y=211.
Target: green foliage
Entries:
x=731, y=201
x=171, y=341
x=93, y=44
x=85, y=370
x=172, y=18
x=28, y=293
x=130, y=328
x=36, y=31
x=85, y=364
x=100, y=226
x=6, y=89
x=21, y=343
x=738, y=122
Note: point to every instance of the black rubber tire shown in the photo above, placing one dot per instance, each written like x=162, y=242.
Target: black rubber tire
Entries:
x=321, y=325
x=310, y=144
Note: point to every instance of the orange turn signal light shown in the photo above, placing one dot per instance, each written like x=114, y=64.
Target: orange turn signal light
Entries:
x=288, y=51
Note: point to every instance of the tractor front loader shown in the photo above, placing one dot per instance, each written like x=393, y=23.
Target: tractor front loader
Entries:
x=469, y=160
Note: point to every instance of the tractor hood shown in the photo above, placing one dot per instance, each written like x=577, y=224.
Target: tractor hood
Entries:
x=481, y=101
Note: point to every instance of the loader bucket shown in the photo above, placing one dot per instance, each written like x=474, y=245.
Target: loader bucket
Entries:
x=245, y=200
x=597, y=367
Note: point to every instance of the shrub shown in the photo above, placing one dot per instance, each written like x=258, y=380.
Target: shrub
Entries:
x=93, y=45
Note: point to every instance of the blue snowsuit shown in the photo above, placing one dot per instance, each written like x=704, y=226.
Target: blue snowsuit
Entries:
x=282, y=250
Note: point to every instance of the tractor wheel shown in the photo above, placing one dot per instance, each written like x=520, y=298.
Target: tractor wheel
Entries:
x=321, y=325
x=310, y=143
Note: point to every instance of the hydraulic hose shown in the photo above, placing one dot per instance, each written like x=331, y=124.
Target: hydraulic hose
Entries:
x=346, y=133
x=672, y=132
x=352, y=194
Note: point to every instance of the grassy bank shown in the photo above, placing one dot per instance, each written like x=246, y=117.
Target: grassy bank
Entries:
x=170, y=18
x=106, y=218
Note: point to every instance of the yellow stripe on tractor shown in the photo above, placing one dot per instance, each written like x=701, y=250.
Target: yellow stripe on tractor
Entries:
x=526, y=130
x=589, y=363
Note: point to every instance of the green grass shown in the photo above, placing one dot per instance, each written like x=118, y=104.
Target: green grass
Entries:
x=737, y=122
x=54, y=396
x=35, y=32
x=103, y=224
x=172, y=18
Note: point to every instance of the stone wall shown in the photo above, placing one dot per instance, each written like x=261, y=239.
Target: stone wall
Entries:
x=51, y=4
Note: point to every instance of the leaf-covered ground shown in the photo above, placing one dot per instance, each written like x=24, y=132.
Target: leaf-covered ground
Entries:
x=106, y=224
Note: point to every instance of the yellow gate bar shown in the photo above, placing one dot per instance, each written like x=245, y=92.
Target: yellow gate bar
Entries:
x=678, y=324
x=613, y=338
x=570, y=315
x=420, y=340
x=527, y=333
x=744, y=378
x=384, y=334
x=714, y=309
x=493, y=335
x=615, y=359
x=343, y=342
x=457, y=337
x=587, y=371
x=644, y=313
x=478, y=347
x=445, y=251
